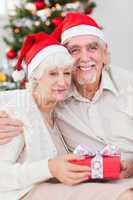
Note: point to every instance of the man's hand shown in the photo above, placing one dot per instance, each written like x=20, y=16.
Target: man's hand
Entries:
x=66, y=172
x=9, y=127
x=126, y=169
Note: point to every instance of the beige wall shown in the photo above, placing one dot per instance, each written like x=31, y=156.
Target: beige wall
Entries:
x=116, y=16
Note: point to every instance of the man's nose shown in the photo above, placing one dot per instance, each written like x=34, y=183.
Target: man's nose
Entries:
x=84, y=55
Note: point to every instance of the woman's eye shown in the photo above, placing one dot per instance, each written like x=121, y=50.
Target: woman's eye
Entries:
x=53, y=73
x=67, y=73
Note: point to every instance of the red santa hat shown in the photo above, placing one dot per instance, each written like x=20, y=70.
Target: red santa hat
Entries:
x=35, y=49
x=76, y=24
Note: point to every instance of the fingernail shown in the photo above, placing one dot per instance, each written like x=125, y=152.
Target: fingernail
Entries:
x=86, y=178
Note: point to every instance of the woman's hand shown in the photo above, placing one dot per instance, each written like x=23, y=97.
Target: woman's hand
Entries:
x=66, y=172
x=9, y=128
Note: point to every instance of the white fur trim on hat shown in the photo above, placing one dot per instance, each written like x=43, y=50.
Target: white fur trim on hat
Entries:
x=81, y=30
x=18, y=75
x=41, y=55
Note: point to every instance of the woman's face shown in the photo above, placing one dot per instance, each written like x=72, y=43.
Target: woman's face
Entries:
x=54, y=84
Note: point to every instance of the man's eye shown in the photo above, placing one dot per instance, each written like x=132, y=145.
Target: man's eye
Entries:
x=74, y=51
x=93, y=47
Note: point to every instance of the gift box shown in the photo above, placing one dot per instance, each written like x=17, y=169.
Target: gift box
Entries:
x=104, y=164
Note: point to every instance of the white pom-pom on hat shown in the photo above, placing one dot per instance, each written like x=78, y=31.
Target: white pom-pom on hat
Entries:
x=18, y=75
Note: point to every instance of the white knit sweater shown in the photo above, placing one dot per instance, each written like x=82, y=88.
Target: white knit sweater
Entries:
x=17, y=178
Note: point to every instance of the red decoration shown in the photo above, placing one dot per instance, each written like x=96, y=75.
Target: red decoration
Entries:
x=39, y=5
x=56, y=21
x=111, y=166
x=23, y=83
x=91, y=8
x=90, y=11
x=11, y=54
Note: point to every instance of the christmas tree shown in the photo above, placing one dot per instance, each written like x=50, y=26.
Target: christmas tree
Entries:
x=34, y=16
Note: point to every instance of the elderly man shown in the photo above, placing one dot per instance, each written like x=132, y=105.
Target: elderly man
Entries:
x=98, y=110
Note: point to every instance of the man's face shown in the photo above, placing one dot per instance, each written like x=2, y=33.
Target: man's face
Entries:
x=90, y=56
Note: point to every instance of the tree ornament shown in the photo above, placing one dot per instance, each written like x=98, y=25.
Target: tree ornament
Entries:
x=73, y=6
x=39, y=5
x=47, y=12
x=11, y=54
x=42, y=14
x=58, y=6
x=23, y=23
x=63, y=14
x=30, y=6
x=37, y=23
x=16, y=30
x=3, y=77
x=53, y=9
x=47, y=23
x=23, y=83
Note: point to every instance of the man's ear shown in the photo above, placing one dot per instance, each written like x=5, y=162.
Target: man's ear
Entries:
x=106, y=56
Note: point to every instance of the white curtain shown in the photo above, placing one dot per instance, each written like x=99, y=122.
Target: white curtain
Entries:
x=7, y=5
x=3, y=7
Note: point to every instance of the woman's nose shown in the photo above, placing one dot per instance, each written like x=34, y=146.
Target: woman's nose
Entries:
x=61, y=80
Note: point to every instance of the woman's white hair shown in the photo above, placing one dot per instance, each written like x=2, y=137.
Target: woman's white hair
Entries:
x=56, y=60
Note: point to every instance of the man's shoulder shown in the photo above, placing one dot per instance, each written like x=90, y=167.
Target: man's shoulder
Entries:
x=122, y=73
x=122, y=77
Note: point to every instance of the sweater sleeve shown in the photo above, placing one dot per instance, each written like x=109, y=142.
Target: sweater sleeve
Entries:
x=14, y=175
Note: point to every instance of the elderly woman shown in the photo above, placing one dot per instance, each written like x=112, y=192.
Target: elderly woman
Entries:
x=26, y=160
